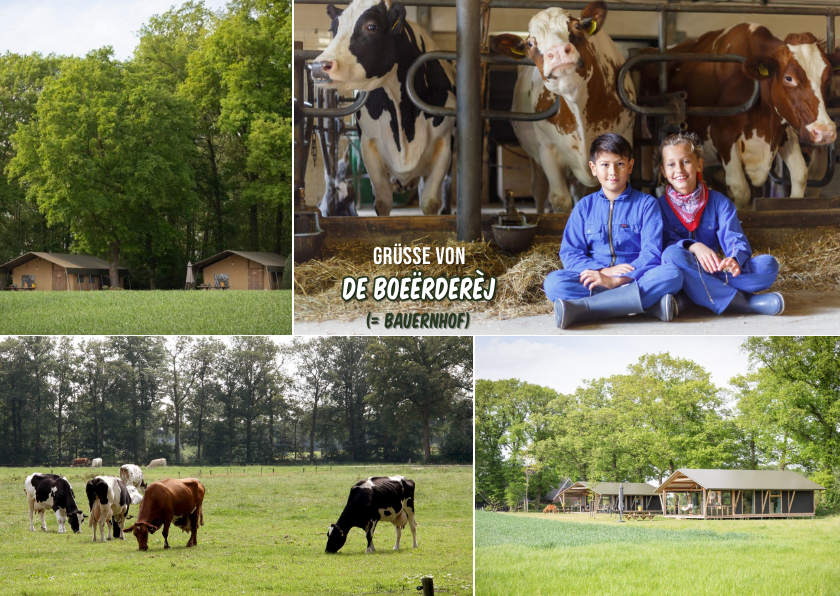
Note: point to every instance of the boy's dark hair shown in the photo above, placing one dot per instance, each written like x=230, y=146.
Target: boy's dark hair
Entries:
x=610, y=143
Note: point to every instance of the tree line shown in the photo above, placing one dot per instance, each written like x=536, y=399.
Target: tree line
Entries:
x=176, y=154
x=663, y=414
x=201, y=400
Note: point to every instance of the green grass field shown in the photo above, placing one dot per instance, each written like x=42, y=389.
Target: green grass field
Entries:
x=262, y=534
x=538, y=554
x=159, y=312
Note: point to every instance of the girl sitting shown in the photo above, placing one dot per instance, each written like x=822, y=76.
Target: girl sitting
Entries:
x=698, y=223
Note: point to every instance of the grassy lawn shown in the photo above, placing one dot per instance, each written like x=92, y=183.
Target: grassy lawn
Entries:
x=537, y=554
x=263, y=534
x=159, y=312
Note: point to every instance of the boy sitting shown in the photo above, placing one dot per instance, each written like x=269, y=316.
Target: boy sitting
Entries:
x=611, y=248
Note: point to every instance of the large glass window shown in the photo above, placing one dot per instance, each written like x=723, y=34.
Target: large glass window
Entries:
x=776, y=502
x=747, y=506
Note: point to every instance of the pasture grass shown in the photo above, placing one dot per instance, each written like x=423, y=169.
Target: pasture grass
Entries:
x=539, y=554
x=155, y=312
x=262, y=534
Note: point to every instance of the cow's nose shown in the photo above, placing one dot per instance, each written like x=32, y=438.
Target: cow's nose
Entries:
x=559, y=54
x=824, y=135
x=321, y=70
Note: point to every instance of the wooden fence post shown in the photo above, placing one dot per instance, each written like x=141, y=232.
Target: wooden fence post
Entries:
x=428, y=586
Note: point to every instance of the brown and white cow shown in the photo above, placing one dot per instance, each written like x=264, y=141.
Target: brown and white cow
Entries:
x=794, y=76
x=579, y=62
x=166, y=501
x=79, y=461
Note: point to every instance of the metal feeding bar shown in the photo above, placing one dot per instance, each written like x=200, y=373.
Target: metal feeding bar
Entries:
x=485, y=114
x=308, y=112
x=683, y=110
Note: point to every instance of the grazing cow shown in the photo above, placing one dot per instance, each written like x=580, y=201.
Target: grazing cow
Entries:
x=165, y=501
x=550, y=509
x=794, y=76
x=372, y=47
x=96, y=463
x=134, y=495
x=381, y=497
x=79, y=461
x=157, y=462
x=580, y=63
x=132, y=475
x=52, y=491
x=109, y=502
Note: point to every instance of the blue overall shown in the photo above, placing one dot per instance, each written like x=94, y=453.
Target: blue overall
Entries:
x=719, y=227
x=600, y=234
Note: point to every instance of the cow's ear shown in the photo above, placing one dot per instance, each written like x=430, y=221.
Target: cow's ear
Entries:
x=760, y=67
x=334, y=12
x=510, y=45
x=396, y=18
x=834, y=60
x=129, y=528
x=593, y=17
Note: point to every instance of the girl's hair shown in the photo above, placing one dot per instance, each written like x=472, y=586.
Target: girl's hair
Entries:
x=690, y=139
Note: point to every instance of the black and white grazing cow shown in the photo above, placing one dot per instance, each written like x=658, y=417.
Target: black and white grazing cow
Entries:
x=51, y=491
x=382, y=497
x=372, y=47
x=109, y=502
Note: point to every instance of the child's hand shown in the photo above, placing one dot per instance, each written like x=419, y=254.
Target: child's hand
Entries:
x=707, y=258
x=618, y=269
x=591, y=278
x=732, y=264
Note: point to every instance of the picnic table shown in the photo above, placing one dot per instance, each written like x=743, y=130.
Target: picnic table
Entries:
x=638, y=515
x=17, y=289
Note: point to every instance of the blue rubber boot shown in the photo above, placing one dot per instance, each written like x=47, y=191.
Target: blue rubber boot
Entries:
x=771, y=304
x=621, y=301
x=665, y=309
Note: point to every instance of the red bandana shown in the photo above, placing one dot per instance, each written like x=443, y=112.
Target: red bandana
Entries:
x=688, y=208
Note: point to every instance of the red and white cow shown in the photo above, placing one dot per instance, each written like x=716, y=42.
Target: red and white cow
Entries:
x=579, y=62
x=794, y=76
x=372, y=47
x=79, y=461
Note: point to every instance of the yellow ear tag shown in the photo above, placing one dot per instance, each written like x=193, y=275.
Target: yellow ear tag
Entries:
x=513, y=50
x=762, y=70
x=592, y=27
x=394, y=26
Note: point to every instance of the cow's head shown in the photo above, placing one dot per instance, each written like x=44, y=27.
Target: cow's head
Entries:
x=558, y=44
x=363, y=48
x=76, y=518
x=336, y=537
x=141, y=531
x=798, y=71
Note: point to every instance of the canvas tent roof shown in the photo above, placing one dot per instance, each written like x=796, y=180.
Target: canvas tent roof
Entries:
x=630, y=488
x=739, y=480
x=555, y=492
x=75, y=264
x=577, y=488
x=271, y=261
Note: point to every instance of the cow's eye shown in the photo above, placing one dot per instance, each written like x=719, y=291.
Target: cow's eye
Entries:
x=788, y=79
x=530, y=44
x=372, y=27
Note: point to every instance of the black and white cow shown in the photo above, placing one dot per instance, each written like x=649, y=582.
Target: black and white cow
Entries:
x=382, y=497
x=51, y=491
x=109, y=502
x=372, y=47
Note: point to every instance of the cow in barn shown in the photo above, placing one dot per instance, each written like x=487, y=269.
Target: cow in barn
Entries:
x=370, y=501
x=372, y=47
x=79, y=461
x=109, y=501
x=165, y=501
x=157, y=462
x=577, y=61
x=793, y=76
x=132, y=475
x=96, y=463
x=45, y=491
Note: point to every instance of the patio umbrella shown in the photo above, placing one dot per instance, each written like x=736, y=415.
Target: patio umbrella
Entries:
x=620, y=502
x=190, y=276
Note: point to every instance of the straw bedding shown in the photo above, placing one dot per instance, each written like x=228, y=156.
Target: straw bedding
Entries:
x=809, y=260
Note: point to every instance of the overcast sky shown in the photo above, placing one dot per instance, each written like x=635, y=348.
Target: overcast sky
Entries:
x=74, y=27
x=563, y=363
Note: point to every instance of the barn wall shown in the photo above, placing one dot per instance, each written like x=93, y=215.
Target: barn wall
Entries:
x=803, y=502
x=40, y=268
